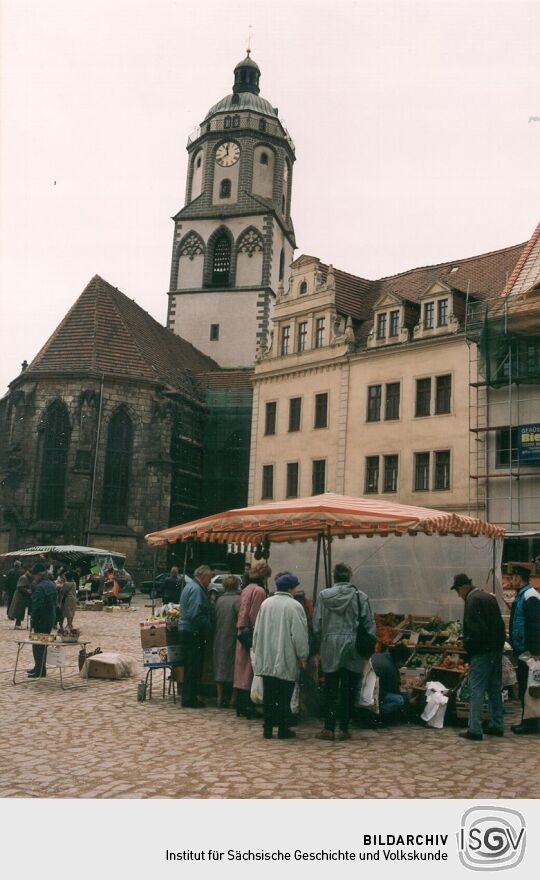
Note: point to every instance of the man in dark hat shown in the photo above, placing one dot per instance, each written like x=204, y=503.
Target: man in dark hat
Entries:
x=483, y=639
x=524, y=637
x=281, y=647
x=43, y=615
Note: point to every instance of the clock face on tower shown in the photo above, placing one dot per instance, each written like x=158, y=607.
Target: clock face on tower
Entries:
x=227, y=154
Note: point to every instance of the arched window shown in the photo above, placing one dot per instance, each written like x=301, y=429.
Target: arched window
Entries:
x=221, y=261
x=55, y=444
x=303, y=288
x=199, y=161
x=114, y=500
x=281, y=264
x=264, y=159
x=225, y=189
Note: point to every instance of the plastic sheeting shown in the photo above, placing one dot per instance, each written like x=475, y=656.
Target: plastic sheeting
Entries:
x=405, y=574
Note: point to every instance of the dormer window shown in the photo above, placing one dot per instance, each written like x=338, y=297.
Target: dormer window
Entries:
x=381, y=326
x=442, y=313
x=429, y=315
x=394, y=323
x=302, y=290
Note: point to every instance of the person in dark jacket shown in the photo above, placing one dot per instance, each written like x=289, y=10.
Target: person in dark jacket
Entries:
x=43, y=615
x=171, y=587
x=195, y=625
x=10, y=583
x=483, y=639
x=387, y=665
x=21, y=597
x=524, y=637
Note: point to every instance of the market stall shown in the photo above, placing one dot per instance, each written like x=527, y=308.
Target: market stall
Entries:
x=404, y=557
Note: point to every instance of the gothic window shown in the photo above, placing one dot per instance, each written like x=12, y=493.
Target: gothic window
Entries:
x=55, y=444
x=225, y=189
x=192, y=246
x=114, y=500
x=264, y=159
x=281, y=264
x=221, y=261
x=250, y=242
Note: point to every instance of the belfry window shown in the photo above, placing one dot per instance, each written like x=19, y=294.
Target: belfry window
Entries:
x=264, y=159
x=114, y=501
x=54, y=455
x=225, y=189
x=221, y=262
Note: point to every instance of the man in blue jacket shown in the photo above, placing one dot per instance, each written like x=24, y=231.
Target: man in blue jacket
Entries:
x=195, y=625
x=524, y=637
x=43, y=615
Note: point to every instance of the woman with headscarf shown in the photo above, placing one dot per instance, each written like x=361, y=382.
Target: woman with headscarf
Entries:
x=251, y=599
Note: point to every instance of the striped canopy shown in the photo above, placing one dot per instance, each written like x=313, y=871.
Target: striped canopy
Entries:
x=70, y=551
x=306, y=518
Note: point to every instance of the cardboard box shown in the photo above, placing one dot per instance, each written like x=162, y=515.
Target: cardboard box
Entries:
x=155, y=656
x=155, y=634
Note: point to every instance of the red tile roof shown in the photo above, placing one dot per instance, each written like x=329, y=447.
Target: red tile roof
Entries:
x=106, y=332
x=227, y=379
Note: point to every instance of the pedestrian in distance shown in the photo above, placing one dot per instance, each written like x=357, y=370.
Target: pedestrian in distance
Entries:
x=195, y=626
x=281, y=649
x=10, y=582
x=226, y=616
x=340, y=612
x=525, y=639
x=251, y=599
x=483, y=639
x=20, y=602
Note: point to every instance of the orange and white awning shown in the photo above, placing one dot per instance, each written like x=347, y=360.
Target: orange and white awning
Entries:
x=330, y=514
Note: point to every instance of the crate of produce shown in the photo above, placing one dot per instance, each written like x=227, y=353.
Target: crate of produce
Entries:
x=406, y=637
x=412, y=677
x=43, y=638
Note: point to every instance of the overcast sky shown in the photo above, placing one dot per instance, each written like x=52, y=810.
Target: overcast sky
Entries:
x=413, y=123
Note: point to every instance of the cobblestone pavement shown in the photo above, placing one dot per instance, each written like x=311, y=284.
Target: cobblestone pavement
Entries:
x=100, y=742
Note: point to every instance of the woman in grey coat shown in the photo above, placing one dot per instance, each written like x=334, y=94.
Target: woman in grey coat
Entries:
x=226, y=614
x=337, y=614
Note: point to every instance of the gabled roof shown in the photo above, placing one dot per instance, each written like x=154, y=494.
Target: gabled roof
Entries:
x=526, y=274
x=520, y=300
x=231, y=380
x=106, y=332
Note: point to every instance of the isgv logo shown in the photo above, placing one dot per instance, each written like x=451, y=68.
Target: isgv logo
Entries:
x=491, y=838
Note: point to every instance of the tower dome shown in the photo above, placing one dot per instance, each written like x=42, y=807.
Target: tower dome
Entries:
x=245, y=92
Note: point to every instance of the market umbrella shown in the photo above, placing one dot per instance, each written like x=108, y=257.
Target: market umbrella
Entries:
x=70, y=551
x=322, y=518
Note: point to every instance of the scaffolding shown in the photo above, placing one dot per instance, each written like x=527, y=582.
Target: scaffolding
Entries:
x=504, y=398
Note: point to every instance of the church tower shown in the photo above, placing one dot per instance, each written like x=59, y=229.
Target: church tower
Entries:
x=234, y=237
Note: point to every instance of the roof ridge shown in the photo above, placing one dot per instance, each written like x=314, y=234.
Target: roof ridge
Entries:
x=450, y=262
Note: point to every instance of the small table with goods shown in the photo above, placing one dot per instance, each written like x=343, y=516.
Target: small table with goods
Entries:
x=56, y=657
x=161, y=646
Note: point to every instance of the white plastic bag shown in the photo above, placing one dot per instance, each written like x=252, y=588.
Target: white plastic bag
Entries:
x=532, y=694
x=509, y=677
x=367, y=692
x=436, y=703
x=257, y=690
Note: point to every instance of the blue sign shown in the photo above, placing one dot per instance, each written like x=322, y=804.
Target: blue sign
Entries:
x=529, y=442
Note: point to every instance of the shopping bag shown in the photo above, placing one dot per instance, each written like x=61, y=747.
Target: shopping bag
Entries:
x=295, y=699
x=257, y=690
x=532, y=694
x=367, y=692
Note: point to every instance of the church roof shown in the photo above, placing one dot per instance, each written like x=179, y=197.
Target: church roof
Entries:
x=106, y=332
x=243, y=101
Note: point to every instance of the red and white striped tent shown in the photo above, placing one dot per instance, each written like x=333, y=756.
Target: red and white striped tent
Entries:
x=329, y=515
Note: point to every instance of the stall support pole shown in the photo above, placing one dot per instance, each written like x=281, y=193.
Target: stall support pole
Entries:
x=329, y=542
x=317, y=562
x=325, y=559
x=493, y=557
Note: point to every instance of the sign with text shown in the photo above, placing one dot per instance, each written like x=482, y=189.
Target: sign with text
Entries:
x=529, y=442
